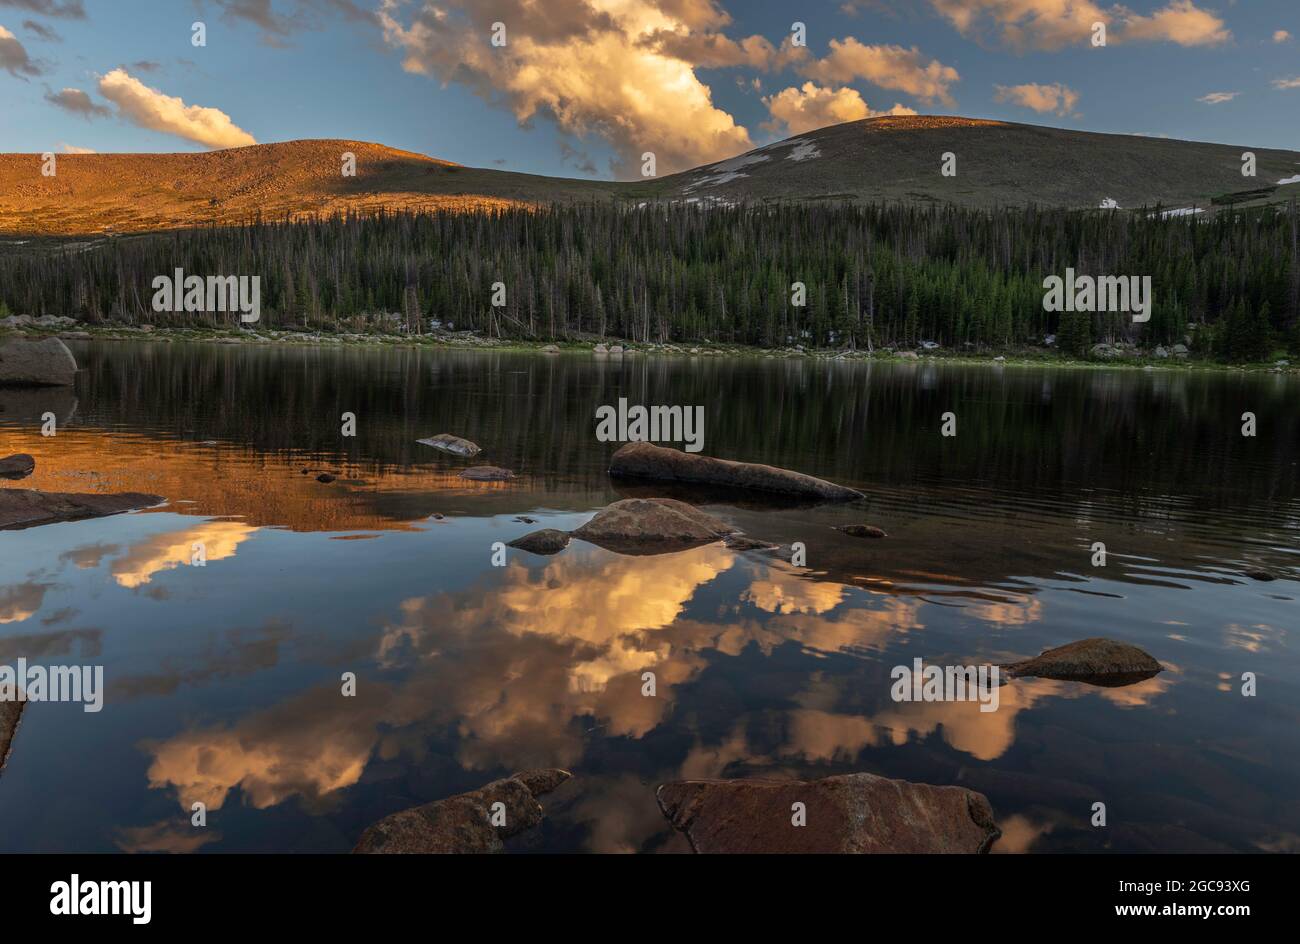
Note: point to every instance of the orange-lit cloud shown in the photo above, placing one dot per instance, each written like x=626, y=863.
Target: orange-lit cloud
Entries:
x=797, y=110
x=149, y=108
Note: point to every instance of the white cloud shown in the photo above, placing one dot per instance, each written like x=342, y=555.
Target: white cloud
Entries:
x=1218, y=98
x=1054, y=24
x=812, y=106
x=598, y=68
x=14, y=58
x=1057, y=98
x=889, y=67
x=1287, y=83
x=150, y=108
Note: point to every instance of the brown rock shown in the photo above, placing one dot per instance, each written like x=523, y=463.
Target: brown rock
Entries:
x=463, y=823
x=739, y=542
x=856, y=813
x=11, y=713
x=17, y=466
x=487, y=473
x=325, y=477
x=648, y=461
x=652, y=526
x=862, y=531
x=546, y=541
x=1098, y=661
x=453, y=444
x=46, y=362
x=25, y=507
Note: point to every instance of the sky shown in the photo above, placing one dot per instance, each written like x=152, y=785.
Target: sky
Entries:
x=583, y=88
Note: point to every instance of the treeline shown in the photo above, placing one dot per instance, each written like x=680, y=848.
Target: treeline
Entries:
x=872, y=275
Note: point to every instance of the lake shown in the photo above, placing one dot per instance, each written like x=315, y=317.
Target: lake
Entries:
x=224, y=680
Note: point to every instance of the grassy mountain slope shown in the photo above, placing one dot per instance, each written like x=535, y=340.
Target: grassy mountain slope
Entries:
x=893, y=158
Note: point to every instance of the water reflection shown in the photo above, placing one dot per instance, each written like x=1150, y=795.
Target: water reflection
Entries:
x=224, y=679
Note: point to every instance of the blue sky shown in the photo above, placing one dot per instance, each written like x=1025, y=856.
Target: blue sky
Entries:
x=581, y=87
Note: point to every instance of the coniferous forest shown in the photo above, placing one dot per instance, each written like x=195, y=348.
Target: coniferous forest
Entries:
x=874, y=275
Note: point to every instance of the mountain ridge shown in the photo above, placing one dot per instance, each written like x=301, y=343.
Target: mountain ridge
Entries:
x=877, y=159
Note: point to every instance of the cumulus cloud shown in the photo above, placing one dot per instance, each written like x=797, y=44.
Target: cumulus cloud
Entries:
x=805, y=109
x=77, y=102
x=1281, y=36
x=14, y=58
x=597, y=68
x=1057, y=98
x=67, y=9
x=1053, y=24
x=1218, y=98
x=150, y=108
x=889, y=67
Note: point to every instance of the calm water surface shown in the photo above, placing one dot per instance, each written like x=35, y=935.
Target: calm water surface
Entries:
x=224, y=680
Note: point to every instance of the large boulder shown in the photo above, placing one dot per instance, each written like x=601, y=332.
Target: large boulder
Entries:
x=855, y=813
x=446, y=442
x=1098, y=661
x=25, y=507
x=652, y=526
x=464, y=823
x=17, y=466
x=11, y=712
x=546, y=541
x=46, y=362
x=648, y=461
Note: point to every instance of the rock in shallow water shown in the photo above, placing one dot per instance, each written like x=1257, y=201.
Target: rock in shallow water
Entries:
x=464, y=823
x=11, y=712
x=46, y=362
x=453, y=444
x=18, y=466
x=546, y=541
x=25, y=507
x=652, y=526
x=487, y=473
x=856, y=813
x=648, y=461
x=862, y=531
x=1098, y=661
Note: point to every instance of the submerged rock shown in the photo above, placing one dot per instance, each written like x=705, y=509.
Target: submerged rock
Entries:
x=652, y=526
x=325, y=477
x=46, y=362
x=1098, y=661
x=464, y=823
x=862, y=531
x=739, y=542
x=855, y=813
x=11, y=713
x=648, y=461
x=453, y=444
x=25, y=507
x=18, y=466
x=487, y=473
x=546, y=541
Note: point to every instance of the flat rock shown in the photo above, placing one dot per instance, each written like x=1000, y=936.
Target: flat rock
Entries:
x=648, y=461
x=325, y=477
x=25, y=507
x=1098, y=661
x=862, y=531
x=487, y=473
x=453, y=444
x=46, y=362
x=463, y=823
x=18, y=466
x=740, y=542
x=855, y=813
x=11, y=713
x=652, y=526
x=546, y=541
